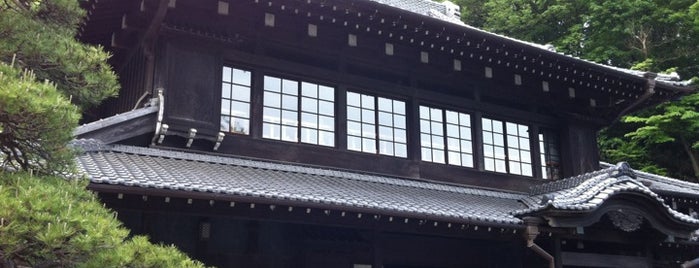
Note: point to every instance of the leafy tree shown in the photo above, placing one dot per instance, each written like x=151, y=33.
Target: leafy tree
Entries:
x=649, y=35
x=52, y=222
x=37, y=45
x=676, y=122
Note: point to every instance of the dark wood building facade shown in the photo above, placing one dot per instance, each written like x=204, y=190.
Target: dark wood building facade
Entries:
x=306, y=133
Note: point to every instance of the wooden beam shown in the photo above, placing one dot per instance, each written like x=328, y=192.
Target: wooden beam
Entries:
x=602, y=260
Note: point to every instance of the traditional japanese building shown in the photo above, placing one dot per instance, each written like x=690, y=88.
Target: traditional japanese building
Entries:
x=337, y=133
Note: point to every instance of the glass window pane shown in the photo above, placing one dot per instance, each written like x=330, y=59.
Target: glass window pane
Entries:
x=368, y=131
x=326, y=138
x=290, y=102
x=368, y=116
x=354, y=128
x=512, y=141
x=514, y=168
x=385, y=105
x=426, y=154
x=290, y=87
x=385, y=119
x=272, y=99
x=241, y=77
x=436, y=115
x=271, y=131
x=511, y=128
x=386, y=133
x=271, y=115
x=526, y=157
x=399, y=121
x=438, y=156
x=399, y=107
x=240, y=93
x=401, y=150
x=424, y=112
x=527, y=170
x=354, y=143
x=454, y=158
x=240, y=109
x=385, y=147
x=487, y=124
x=309, y=135
x=326, y=123
x=437, y=142
x=466, y=146
x=309, y=120
x=488, y=138
x=489, y=164
x=465, y=119
x=452, y=117
x=488, y=151
x=309, y=105
x=524, y=143
x=225, y=107
x=453, y=144
x=369, y=145
x=273, y=84
x=523, y=130
x=425, y=140
x=225, y=90
x=290, y=118
x=498, y=140
x=514, y=154
x=353, y=114
x=225, y=123
x=500, y=166
x=326, y=93
x=399, y=135
x=437, y=128
x=465, y=133
x=425, y=126
x=497, y=126
x=309, y=90
x=499, y=152
x=241, y=126
x=226, y=75
x=353, y=99
x=452, y=130
x=467, y=160
x=368, y=102
x=289, y=133
x=326, y=108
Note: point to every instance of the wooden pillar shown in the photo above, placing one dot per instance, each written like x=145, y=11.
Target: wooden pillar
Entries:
x=557, y=252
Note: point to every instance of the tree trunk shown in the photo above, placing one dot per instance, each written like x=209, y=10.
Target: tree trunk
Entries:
x=692, y=157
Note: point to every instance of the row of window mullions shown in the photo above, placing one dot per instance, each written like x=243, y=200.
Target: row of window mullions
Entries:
x=257, y=108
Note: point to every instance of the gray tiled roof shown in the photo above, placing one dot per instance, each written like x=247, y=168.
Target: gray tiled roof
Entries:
x=589, y=191
x=665, y=185
x=270, y=181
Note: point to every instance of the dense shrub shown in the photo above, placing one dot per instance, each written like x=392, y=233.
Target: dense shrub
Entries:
x=52, y=222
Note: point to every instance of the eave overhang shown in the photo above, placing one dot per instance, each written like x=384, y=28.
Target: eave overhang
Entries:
x=614, y=192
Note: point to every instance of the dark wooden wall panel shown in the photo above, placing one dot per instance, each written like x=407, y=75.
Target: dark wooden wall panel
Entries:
x=191, y=91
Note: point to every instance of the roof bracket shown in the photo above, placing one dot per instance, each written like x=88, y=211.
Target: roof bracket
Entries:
x=219, y=140
x=192, y=134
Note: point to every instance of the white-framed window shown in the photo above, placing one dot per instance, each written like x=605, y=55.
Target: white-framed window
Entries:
x=550, y=154
x=376, y=125
x=506, y=147
x=445, y=137
x=235, y=100
x=293, y=109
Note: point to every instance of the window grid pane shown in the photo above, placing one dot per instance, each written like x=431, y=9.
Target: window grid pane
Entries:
x=506, y=147
x=376, y=125
x=550, y=155
x=294, y=111
x=459, y=130
x=493, y=145
x=235, y=100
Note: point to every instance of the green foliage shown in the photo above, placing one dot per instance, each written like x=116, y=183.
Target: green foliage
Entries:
x=40, y=34
x=50, y=221
x=33, y=120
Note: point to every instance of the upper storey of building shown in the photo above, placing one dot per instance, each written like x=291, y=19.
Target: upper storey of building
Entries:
x=394, y=87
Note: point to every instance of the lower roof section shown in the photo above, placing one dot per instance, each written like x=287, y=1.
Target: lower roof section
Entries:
x=232, y=178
